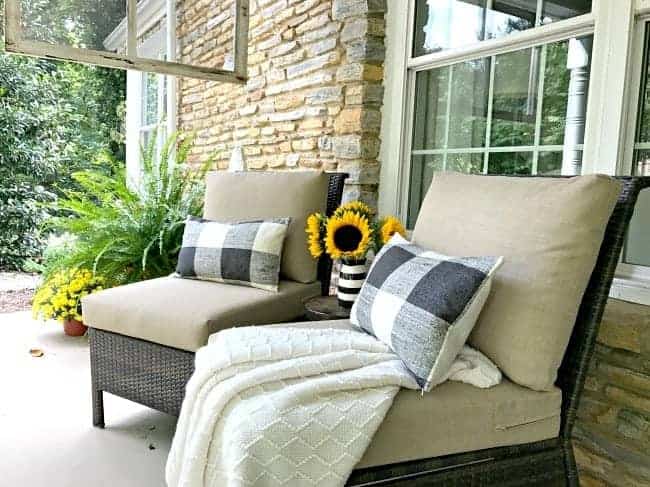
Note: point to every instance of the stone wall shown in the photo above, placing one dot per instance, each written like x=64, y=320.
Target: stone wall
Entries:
x=314, y=92
x=613, y=431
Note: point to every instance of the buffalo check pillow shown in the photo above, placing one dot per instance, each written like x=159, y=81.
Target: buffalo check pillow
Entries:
x=246, y=253
x=423, y=304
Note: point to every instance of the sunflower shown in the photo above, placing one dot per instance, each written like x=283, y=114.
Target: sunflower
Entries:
x=315, y=234
x=348, y=236
x=355, y=207
x=389, y=227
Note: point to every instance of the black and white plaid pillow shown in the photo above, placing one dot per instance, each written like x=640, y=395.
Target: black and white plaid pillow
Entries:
x=423, y=304
x=247, y=253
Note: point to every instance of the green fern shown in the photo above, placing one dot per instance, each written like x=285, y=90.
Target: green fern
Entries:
x=127, y=233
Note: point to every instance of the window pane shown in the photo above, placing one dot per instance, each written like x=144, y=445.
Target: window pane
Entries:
x=422, y=170
x=469, y=104
x=508, y=16
x=443, y=24
x=554, y=10
x=643, y=131
x=556, y=93
x=206, y=32
x=637, y=250
x=83, y=24
x=432, y=91
x=150, y=115
x=466, y=163
x=637, y=246
x=549, y=164
x=515, y=99
x=510, y=163
x=448, y=24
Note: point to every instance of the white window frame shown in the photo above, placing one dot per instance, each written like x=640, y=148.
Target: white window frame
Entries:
x=610, y=123
x=154, y=46
x=154, y=12
x=632, y=282
x=15, y=43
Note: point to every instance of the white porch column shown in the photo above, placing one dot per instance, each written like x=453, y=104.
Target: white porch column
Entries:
x=578, y=63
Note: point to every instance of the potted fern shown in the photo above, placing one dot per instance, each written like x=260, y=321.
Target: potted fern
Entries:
x=130, y=231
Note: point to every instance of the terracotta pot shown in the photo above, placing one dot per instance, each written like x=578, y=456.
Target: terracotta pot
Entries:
x=74, y=328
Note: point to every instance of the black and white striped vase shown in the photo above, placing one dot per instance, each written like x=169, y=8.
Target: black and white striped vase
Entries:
x=351, y=277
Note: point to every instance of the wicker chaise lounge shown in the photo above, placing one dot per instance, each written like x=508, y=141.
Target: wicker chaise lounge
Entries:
x=455, y=435
x=143, y=335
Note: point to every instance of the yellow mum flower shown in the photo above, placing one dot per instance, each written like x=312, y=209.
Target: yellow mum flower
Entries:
x=59, y=297
x=348, y=236
x=389, y=227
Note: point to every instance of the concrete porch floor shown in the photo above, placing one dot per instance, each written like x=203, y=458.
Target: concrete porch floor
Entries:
x=46, y=432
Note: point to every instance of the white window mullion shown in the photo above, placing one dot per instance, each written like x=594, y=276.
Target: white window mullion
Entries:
x=171, y=47
x=540, y=102
x=134, y=92
x=450, y=81
x=490, y=110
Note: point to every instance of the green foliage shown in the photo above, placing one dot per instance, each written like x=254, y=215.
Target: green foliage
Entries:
x=20, y=214
x=57, y=250
x=79, y=23
x=128, y=235
x=55, y=119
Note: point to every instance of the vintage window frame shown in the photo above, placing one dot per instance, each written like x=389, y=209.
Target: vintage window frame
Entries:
x=632, y=281
x=14, y=43
x=611, y=121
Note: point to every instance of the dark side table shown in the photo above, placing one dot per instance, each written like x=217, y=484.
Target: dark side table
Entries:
x=324, y=308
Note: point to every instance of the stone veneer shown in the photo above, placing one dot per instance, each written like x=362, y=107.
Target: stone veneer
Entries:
x=612, y=438
x=314, y=92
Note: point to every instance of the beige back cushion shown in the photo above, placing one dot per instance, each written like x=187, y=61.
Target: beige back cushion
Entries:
x=549, y=231
x=250, y=195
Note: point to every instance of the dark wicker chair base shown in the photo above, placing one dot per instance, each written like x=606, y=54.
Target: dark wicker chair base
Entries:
x=155, y=375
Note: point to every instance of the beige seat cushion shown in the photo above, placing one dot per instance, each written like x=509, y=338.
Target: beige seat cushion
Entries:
x=549, y=231
x=456, y=417
x=182, y=313
x=296, y=194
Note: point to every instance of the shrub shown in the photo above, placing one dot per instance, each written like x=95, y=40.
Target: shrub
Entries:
x=20, y=217
x=129, y=234
x=54, y=118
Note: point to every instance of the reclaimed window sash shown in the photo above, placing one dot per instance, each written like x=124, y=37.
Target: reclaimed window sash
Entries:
x=16, y=43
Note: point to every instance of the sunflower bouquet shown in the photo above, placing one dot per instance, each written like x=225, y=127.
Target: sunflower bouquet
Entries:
x=350, y=233
x=60, y=296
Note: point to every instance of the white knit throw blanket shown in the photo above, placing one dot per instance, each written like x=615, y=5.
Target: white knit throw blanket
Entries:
x=282, y=407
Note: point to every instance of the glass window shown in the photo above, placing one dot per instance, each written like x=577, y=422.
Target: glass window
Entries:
x=448, y=24
x=83, y=24
x=504, y=114
x=213, y=38
x=637, y=248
